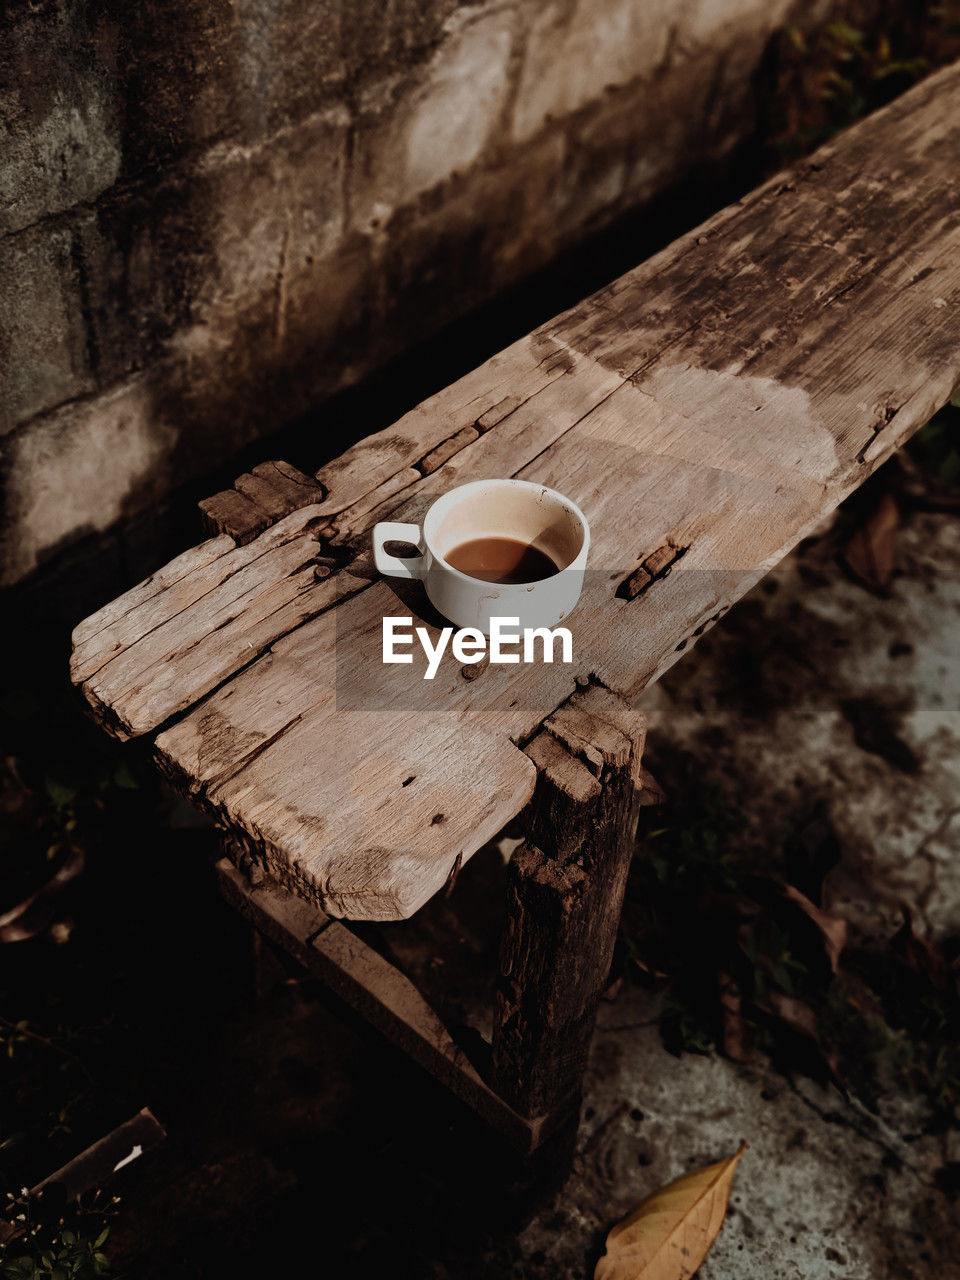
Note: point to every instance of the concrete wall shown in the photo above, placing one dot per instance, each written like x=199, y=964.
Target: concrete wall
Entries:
x=213, y=212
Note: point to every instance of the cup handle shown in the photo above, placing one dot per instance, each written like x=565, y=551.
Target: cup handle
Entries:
x=395, y=566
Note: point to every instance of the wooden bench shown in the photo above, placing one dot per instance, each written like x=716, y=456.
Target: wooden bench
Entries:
x=705, y=410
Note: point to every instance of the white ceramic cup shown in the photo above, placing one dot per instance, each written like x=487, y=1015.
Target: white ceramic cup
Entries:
x=530, y=513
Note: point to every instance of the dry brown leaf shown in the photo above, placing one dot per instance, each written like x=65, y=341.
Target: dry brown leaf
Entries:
x=921, y=957
x=793, y=1013
x=832, y=928
x=33, y=915
x=870, y=552
x=668, y=1235
x=612, y=990
x=802, y=1021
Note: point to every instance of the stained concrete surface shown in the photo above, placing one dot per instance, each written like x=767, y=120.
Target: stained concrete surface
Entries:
x=816, y=691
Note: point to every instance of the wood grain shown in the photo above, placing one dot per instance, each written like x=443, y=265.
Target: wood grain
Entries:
x=719, y=399
x=190, y=631
x=267, y=494
x=564, y=896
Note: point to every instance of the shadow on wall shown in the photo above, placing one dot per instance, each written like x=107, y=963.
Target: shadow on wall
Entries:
x=217, y=214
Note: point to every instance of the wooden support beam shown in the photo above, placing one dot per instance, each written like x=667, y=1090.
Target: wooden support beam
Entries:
x=94, y=1167
x=565, y=893
x=378, y=990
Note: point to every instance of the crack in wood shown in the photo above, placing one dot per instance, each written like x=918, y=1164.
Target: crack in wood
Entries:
x=654, y=568
x=885, y=416
x=452, y=878
x=497, y=412
x=445, y=450
x=251, y=755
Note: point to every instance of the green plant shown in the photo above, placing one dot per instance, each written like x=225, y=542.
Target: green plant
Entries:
x=69, y=1248
x=937, y=445
x=827, y=78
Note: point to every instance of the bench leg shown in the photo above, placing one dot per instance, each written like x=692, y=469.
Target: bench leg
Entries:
x=565, y=893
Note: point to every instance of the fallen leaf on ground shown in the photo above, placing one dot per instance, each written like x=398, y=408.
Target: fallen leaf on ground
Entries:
x=832, y=928
x=802, y=1021
x=870, y=552
x=33, y=914
x=613, y=989
x=793, y=1013
x=920, y=957
x=812, y=852
x=668, y=1235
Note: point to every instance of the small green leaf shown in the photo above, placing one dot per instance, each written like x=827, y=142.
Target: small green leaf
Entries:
x=101, y=1238
x=846, y=34
x=59, y=792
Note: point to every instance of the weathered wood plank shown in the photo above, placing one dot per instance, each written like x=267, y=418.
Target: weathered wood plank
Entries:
x=374, y=825
x=180, y=569
x=178, y=655
x=167, y=594
x=542, y=417
x=376, y=989
x=719, y=400
x=234, y=514
x=96, y=1166
x=445, y=451
x=284, y=486
x=180, y=641
x=671, y=498
x=270, y=492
